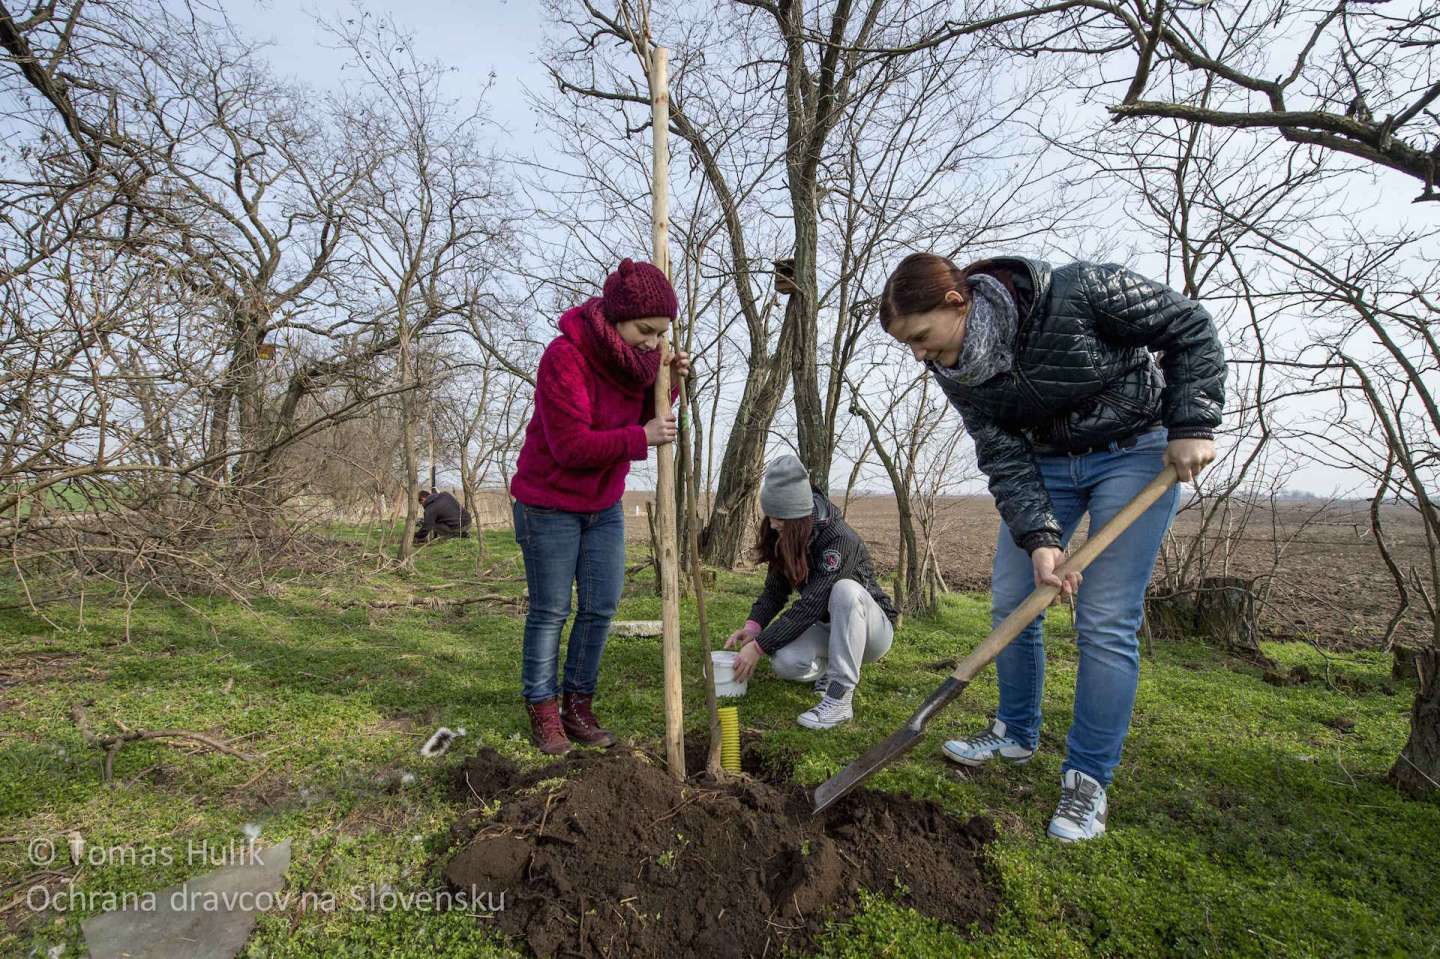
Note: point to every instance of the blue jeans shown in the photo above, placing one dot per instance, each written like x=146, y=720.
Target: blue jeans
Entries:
x=561, y=549
x=1108, y=607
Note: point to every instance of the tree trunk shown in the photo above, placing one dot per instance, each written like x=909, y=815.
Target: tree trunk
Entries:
x=261, y=424
x=697, y=458
x=407, y=443
x=688, y=480
x=697, y=580
x=710, y=440
x=909, y=565
x=913, y=566
x=811, y=100
x=816, y=446
x=729, y=531
x=1417, y=770
x=1405, y=662
x=218, y=442
x=1219, y=609
x=467, y=483
x=899, y=586
x=654, y=545
x=855, y=469
x=467, y=501
x=430, y=449
x=909, y=568
x=245, y=376
x=1225, y=613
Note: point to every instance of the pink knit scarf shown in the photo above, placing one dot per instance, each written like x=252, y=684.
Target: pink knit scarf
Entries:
x=628, y=368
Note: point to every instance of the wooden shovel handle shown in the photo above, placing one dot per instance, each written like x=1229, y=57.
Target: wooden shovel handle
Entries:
x=1038, y=601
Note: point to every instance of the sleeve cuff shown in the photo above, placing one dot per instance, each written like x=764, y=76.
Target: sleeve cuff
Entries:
x=1030, y=542
x=637, y=448
x=1191, y=433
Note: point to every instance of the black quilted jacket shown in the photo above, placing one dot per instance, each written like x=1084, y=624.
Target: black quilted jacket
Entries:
x=836, y=552
x=1084, y=375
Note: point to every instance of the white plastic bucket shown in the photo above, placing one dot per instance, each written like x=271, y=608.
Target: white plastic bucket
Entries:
x=722, y=664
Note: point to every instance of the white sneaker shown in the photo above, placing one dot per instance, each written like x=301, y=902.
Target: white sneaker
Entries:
x=984, y=746
x=822, y=684
x=829, y=713
x=1082, y=810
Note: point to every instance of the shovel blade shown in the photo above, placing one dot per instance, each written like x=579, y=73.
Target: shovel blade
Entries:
x=878, y=757
x=890, y=749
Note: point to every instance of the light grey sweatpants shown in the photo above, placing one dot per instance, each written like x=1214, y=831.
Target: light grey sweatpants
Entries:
x=858, y=632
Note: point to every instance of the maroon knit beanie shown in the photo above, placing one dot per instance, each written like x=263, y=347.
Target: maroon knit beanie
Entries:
x=638, y=289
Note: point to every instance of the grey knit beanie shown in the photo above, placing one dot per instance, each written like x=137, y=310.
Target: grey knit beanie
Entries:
x=785, y=493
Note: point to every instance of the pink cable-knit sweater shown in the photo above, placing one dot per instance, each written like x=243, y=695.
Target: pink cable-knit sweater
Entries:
x=586, y=429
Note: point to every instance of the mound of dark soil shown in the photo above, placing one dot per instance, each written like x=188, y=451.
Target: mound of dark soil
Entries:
x=622, y=860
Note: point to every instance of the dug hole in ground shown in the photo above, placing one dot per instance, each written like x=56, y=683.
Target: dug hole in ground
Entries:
x=608, y=854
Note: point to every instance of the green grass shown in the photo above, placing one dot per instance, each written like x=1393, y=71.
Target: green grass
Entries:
x=1242, y=822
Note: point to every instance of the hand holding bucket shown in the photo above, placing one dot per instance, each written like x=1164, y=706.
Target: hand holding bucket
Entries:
x=744, y=662
x=722, y=664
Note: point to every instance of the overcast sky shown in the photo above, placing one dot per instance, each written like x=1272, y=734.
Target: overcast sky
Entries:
x=477, y=39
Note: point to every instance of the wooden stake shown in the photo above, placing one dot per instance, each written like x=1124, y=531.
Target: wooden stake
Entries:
x=668, y=557
x=713, y=768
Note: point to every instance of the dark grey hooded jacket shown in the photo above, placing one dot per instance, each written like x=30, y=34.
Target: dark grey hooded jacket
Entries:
x=442, y=516
x=1084, y=374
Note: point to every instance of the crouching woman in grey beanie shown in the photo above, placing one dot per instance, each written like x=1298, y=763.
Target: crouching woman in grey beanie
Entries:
x=842, y=617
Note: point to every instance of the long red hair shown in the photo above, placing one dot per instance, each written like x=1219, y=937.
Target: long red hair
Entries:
x=788, y=550
x=921, y=281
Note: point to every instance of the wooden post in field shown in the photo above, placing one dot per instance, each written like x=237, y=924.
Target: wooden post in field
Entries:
x=713, y=768
x=668, y=557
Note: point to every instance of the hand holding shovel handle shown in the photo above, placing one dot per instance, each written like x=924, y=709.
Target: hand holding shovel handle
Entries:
x=908, y=735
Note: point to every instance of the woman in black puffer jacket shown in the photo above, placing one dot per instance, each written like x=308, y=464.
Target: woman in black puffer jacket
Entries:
x=1054, y=373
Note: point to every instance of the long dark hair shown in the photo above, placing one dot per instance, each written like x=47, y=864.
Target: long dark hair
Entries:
x=920, y=282
x=788, y=550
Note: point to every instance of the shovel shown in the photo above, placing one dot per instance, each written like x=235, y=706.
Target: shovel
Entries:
x=908, y=735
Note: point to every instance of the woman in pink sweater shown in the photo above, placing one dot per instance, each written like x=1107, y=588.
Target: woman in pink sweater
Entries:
x=594, y=414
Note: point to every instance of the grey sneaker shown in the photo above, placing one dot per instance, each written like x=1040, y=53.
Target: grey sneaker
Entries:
x=1082, y=810
x=985, y=746
x=831, y=711
x=822, y=684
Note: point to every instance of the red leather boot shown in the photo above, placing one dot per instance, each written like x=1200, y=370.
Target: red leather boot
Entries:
x=547, y=731
x=581, y=724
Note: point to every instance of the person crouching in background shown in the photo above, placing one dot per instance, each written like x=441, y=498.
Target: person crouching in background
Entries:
x=842, y=617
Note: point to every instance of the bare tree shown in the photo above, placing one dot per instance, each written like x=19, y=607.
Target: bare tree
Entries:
x=917, y=438
x=788, y=99
x=1358, y=79
x=74, y=162
x=179, y=299
x=1378, y=359
x=1188, y=190
x=424, y=212
x=482, y=422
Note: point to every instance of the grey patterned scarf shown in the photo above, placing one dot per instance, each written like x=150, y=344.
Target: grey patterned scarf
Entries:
x=990, y=326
